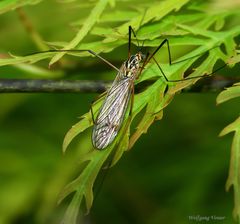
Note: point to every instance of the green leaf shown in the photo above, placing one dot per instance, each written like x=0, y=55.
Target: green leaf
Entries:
x=39, y=71
x=83, y=185
x=150, y=114
x=118, y=15
x=112, y=16
x=234, y=60
x=76, y=129
x=88, y=24
x=33, y=58
x=122, y=143
x=229, y=93
x=191, y=32
x=156, y=12
x=233, y=177
x=216, y=20
x=8, y=5
x=85, y=122
x=153, y=101
x=167, y=26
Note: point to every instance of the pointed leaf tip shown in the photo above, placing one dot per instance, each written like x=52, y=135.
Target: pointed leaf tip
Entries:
x=76, y=129
x=235, y=126
x=229, y=93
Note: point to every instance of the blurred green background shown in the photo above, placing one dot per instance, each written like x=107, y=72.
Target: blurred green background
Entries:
x=177, y=170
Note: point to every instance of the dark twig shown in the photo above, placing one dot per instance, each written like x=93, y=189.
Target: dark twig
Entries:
x=209, y=84
x=215, y=83
x=52, y=86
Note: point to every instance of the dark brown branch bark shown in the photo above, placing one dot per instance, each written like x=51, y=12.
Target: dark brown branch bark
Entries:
x=215, y=83
x=52, y=86
x=209, y=84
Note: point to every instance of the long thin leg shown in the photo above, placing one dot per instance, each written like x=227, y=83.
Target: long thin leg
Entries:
x=143, y=65
x=165, y=41
x=132, y=100
x=165, y=77
x=84, y=50
x=91, y=109
x=158, y=48
x=188, y=78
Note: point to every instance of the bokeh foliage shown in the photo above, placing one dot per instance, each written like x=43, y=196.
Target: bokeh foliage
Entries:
x=192, y=29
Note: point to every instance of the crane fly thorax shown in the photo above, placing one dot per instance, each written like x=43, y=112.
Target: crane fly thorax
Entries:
x=131, y=66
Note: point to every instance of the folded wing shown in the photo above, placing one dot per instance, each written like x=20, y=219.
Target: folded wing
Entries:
x=112, y=112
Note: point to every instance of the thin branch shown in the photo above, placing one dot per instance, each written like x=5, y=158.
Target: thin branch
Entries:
x=215, y=83
x=52, y=86
x=209, y=84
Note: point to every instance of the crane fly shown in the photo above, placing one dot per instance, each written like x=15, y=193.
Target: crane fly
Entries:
x=113, y=109
x=111, y=114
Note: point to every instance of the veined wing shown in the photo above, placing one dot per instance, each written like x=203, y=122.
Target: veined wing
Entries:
x=112, y=112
